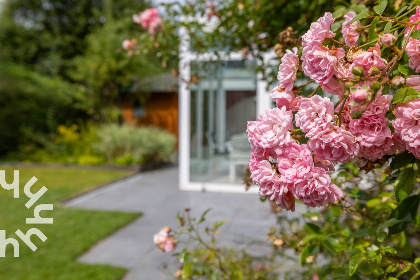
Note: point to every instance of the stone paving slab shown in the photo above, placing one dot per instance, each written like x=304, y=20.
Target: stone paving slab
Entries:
x=157, y=196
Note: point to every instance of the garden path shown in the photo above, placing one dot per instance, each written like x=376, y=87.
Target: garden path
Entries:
x=156, y=195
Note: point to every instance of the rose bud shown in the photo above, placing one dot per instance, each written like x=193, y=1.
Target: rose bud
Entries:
x=388, y=39
x=360, y=96
x=348, y=84
x=373, y=71
x=358, y=71
x=375, y=87
x=397, y=82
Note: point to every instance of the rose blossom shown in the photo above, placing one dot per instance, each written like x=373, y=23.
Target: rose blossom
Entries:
x=336, y=145
x=272, y=186
x=148, y=19
x=414, y=81
x=359, y=96
x=369, y=59
x=271, y=130
x=319, y=62
x=281, y=97
x=350, y=33
x=319, y=31
x=334, y=86
x=373, y=135
x=316, y=189
x=407, y=125
x=389, y=39
x=315, y=115
x=288, y=69
x=163, y=241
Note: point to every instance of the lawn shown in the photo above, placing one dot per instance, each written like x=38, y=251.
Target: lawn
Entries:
x=72, y=233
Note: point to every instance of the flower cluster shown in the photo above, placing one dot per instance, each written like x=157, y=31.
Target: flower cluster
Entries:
x=357, y=126
x=164, y=241
x=149, y=19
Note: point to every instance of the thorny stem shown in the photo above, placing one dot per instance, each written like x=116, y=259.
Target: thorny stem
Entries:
x=305, y=84
x=341, y=109
x=309, y=96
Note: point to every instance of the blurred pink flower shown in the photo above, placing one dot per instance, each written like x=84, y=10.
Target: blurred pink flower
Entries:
x=163, y=241
x=129, y=44
x=148, y=19
x=350, y=33
x=407, y=125
x=319, y=31
x=288, y=69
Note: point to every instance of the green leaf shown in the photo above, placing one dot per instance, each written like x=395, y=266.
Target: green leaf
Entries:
x=406, y=70
x=381, y=234
x=406, y=212
x=362, y=232
x=400, y=11
x=388, y=27
x=415, y=276
x=312, y=228
x=331, y=244
x=336, y=211
x=379, y=9
x=404, y=270
x=417, y=260
x=372, y=33
x=203, y=216
x=307, y=252
x=354, y=262
x=404, y=185
x=311, y=214
x=416, y=34
x=405, y=95
x=359, y=16
x=187, y=271
x=401, y=160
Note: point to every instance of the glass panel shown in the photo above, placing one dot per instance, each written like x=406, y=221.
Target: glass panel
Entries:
x=222, y=103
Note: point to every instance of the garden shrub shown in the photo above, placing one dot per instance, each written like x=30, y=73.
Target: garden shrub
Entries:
x=33, y=106
x=138, y=145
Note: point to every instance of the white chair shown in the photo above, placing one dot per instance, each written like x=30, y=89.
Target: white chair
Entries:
x=239, y=153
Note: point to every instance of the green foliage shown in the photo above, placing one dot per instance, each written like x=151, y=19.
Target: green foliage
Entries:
x=34, y=105
x=128, y=145
x=405, y=94
x=203, y=259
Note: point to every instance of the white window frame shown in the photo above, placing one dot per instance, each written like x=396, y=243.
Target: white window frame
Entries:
x=184, y=108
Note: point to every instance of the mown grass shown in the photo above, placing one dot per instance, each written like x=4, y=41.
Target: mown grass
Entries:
x=72, y=233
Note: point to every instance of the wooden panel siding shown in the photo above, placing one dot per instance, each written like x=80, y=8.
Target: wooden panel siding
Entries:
x=161, y=111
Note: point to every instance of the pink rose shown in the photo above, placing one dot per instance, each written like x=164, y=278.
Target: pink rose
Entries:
x=282, y=98
x=334, y=86
x=413, y=51
x=316, y=190
x=414, y=81
x=163, y=241
x=271, y=130
x=360, y=96
x=350, y=33
x=320, y=63
x=288, y=69
x=407, y=125
x=373, y=135
x=369, y=59
x=149, y=19
x=319, y=31
x=389, y=39
x=315, y=115
x=335, y=145
x=272, y=186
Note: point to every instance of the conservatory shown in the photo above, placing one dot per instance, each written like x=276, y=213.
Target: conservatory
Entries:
x=213, y=113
